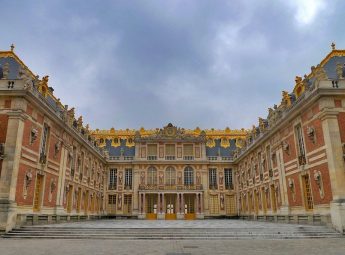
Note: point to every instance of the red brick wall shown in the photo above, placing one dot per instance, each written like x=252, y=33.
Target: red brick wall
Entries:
x=3, y=131
x=20, y=185
x=326, y=185
x=3, y=127
x=23, y=169
x=47, y=182
x=291, y=153
x=297, y=190
x=28, y=126
x=53, y=140
x=319, y=140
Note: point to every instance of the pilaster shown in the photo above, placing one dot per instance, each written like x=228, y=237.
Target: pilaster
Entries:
x=284, y=209
x=336, y=166
x=61, y=184
x=10, y=169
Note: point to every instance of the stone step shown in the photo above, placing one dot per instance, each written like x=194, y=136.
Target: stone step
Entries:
x=159, y=234
x=128, y=230
x=160, y=237
x=170, y=232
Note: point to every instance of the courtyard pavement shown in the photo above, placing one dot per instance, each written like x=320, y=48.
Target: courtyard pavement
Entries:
x=166, y=247
x=324, y=246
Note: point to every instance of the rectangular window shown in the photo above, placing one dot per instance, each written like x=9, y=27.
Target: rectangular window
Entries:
x=44, y=144
x=212, y=177
x=268, y=157
x=228, y=178
x=112, y=179
x=259, y=164
x=152, y=151
x=188, y=153
x=300, y=145
x=82, y=168
x=112, y=199
x=128, y=178
x=74, y=156
x=170, y=151
x=188, y=150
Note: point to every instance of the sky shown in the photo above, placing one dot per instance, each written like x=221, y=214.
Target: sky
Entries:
x=207, y=64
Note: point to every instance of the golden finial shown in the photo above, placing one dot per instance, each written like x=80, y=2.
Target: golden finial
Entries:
x=12, y=47
x=333, y=46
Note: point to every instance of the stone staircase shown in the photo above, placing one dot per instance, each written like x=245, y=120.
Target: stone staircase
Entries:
x=79, y=232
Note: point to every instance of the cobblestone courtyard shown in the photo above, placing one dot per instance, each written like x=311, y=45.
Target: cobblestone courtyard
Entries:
x=255, y=245
x=166, y=247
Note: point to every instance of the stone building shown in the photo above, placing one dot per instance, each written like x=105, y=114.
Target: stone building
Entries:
x=290, y=167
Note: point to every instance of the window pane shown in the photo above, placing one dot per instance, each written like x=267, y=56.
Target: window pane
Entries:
x=213, y=177
x=170, y=176
x=170, y=149
x=152, y=150
x=188, y=150
x=152, y=176
x=188, y=176
x=228, y=178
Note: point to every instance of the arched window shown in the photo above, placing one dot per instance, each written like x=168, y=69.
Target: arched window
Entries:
x=188, y=176
x=170, y=176
x=152, y=176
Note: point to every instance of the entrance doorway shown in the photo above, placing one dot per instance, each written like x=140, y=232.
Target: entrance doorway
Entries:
x=151, y=206
x=127, y=204
x=38, y=193
x=189, y=206
x=230, y=205
x=170, y=206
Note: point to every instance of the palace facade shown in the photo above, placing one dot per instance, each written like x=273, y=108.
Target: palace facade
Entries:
x=290, y=167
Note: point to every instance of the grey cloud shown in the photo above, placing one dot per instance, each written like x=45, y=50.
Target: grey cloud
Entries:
x=129, y=64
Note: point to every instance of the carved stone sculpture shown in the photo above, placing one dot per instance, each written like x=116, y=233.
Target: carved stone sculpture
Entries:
x=27, y=182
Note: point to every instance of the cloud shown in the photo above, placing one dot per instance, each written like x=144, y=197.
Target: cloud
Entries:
x=127, y=64
x=307, y=10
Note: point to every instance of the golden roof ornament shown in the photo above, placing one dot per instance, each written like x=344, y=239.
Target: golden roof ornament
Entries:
x=12, y=47
x=286, y=98
x=333, y=46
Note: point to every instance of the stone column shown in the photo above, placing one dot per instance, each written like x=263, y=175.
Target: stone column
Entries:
x=144, y=205
x=139, y=204
x=177, y=204
x=284, y=210
x=61, y=182
x=163, y=207
x=158, y=203
x=335, y=161
x=196, y=206
x=10, y=168
x=182, y=202
x=201, y=203
x=136, y=198
x=204, y=185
